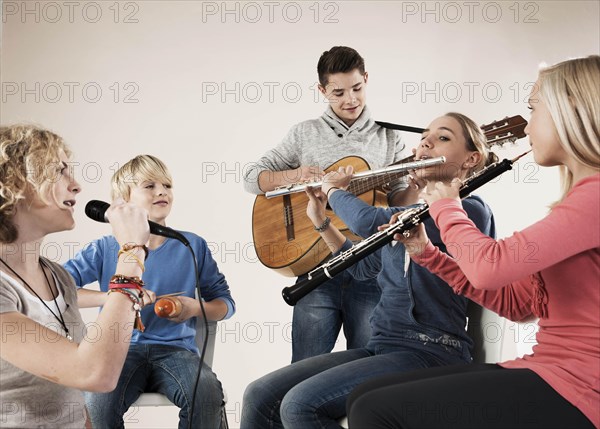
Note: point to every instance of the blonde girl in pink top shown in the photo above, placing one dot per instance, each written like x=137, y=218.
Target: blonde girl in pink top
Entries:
x=558, y=385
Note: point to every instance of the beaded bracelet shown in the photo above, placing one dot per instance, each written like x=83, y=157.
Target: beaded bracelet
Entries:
x=139, y=292
x=324, y=225
x=127, y=247
x=137, y=324
x=120, y=279
x=134, y=256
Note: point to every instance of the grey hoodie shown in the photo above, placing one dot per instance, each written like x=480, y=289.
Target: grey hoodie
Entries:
x=323, y=141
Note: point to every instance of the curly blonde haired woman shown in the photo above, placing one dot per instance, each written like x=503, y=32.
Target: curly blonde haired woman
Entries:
x=45, y=356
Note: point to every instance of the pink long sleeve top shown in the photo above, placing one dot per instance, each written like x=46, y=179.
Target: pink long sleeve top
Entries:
x=550, y=270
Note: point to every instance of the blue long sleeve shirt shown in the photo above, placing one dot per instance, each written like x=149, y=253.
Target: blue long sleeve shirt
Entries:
x=415, y=305
x=169, y=268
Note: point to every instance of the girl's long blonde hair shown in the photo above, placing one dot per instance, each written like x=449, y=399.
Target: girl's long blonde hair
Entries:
x=571, y=91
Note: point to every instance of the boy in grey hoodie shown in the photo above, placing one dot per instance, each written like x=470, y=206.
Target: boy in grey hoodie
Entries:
x=344, y=129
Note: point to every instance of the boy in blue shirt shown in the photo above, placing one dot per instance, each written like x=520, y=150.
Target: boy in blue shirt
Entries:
x=164, y=357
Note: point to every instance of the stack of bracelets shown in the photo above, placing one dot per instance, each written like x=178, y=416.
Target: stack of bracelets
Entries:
x=131, y=287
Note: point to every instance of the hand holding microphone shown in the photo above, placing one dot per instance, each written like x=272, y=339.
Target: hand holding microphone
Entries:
x=97, y=210
x=131, y=225
x=129, y=222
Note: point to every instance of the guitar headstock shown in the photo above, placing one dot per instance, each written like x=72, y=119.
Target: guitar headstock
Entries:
x=505, y=130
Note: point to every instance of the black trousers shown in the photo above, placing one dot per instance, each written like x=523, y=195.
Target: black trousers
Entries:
x=477, y=396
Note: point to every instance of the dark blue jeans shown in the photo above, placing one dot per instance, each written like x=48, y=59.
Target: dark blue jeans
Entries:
x=312, y=393
x=319, y=316
x=163, y=369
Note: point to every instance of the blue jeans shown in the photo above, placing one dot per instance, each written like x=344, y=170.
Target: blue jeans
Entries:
x=312, y=393
x=163, y=369
x=319, y=316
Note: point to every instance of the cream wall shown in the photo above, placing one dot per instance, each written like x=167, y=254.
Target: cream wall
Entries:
x=209, y=86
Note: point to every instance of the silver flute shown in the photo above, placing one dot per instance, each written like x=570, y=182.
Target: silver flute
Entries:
x=405, y=222
x=392, y=169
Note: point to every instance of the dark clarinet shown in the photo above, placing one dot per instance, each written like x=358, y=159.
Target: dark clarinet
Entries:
x=409, y=219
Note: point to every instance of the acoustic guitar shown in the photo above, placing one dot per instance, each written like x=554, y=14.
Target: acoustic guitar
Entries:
x=284, y=237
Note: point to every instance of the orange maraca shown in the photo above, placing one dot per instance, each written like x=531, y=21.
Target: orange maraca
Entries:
x=168, y=307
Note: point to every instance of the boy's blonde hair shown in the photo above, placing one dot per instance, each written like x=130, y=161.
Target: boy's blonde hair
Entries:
x=137, y=170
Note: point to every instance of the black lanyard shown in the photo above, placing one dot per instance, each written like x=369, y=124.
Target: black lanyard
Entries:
x=60, y=317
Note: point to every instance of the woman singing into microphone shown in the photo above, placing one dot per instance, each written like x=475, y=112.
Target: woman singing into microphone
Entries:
x=418, y=322
x=45, y=357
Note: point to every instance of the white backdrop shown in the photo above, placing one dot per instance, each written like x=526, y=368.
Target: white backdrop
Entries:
x=209, y=86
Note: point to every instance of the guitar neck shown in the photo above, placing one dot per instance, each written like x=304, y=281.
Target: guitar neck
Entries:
x=365, y=181
x=372, y=179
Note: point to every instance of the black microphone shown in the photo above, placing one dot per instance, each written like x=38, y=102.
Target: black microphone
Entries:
x=96, y=210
